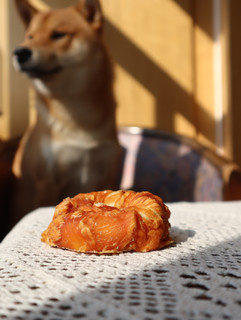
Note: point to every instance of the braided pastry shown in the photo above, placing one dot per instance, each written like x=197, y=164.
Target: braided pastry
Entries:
x=110, y=222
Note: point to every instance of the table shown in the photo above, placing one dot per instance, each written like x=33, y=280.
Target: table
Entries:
x=198, y=277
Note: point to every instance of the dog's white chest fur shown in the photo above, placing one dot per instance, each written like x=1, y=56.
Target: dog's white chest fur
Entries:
x=41, y=87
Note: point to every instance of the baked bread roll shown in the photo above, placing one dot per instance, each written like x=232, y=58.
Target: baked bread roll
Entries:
x=110, y=222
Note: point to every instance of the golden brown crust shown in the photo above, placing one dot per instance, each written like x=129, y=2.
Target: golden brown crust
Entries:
x=110, y=222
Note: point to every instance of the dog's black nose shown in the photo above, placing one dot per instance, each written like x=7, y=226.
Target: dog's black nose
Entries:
x=22, y=54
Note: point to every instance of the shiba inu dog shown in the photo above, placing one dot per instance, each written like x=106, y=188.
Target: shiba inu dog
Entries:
x=73, y=146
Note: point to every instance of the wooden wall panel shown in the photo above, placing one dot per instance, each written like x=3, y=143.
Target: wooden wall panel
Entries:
x=151, y=42
x=203, y=71
x=235, y=77
x=14, y=88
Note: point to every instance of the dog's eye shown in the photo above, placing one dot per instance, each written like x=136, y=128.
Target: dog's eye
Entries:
x=57, y=35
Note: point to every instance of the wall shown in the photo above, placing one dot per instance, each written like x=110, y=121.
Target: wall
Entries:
x=14, y=88
x=148, y=39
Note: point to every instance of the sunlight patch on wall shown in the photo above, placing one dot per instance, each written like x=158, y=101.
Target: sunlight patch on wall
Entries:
x=163, y=35
x=182, y=125
x=144, y=111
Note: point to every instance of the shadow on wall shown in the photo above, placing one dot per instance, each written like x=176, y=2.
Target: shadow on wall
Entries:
x=150, y=77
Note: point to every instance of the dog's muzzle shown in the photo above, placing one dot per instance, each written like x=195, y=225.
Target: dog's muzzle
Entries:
x=25, y=60
x=22, y=55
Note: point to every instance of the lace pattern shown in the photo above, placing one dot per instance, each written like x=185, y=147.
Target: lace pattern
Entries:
x=198, y=277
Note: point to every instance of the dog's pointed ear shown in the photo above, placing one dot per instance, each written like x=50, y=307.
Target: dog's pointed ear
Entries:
x=91, y=10
x=25, y=10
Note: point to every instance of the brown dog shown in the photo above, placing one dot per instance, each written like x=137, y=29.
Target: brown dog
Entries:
x=73, y=146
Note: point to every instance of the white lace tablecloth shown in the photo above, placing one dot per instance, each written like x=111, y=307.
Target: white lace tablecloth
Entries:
x=199, y=277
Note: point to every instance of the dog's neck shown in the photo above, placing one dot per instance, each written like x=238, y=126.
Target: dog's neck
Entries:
x=75, y=115
x=78, y=101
